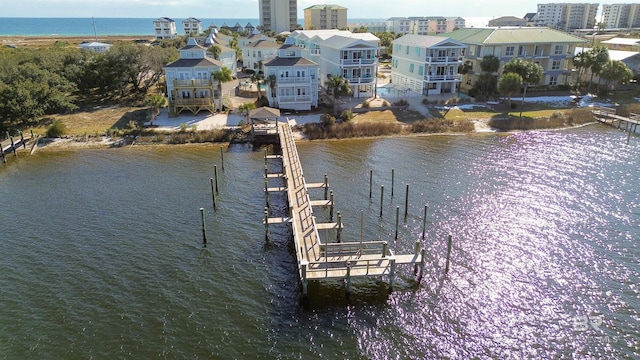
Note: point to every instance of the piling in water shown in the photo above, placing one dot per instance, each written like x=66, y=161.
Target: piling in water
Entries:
x=204, y=227
x=449, y=243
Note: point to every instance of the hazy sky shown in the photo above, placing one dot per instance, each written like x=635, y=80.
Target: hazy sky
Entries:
x=248, y=9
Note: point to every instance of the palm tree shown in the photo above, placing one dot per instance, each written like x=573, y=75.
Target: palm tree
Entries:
x=509, y=84
x=531, y=73
x=271, y=82
x=156, y=102
x=221, y=76
x=338, y=86
x=245, y=109
x=215, y=51
x=582, y=61
x=599, y=57
x=616, y=71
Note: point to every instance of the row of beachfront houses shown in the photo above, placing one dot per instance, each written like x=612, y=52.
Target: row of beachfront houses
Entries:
x=165, y=28
x=299, y=69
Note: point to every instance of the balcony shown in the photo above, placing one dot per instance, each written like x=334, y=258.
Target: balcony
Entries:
x=192, y=83
x=294, y=80
x=350, y=62
x=193, y=102
x=293, y=99
x=314, y=51
x=361, y=80
x=442, y=59
x=443, y=78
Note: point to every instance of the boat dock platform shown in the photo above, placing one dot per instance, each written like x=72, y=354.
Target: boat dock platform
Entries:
x=608, y=116
x=317, y=259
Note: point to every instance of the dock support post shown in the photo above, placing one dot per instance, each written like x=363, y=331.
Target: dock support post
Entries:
x=381, y=198
x=213, y=196
x=266, y=223
x=406, y=203
x=628, y=135
x=348, y=278
x=424, y=222
x=392, y=273
x=215, y=174
x=384, y=249
x=24, y=144
x=4, y=159
x=449, y=243
x=422, y=262
x=339, y=231
x=331, y=205
x=397, y=220
x=326, y=187
x=222, y=157
x=13, y=146
x=305, y=282
x=265, y=156
x=370, y=182
x=266, y=191
x=204, y=227
x=266, y=171
x=393, y=173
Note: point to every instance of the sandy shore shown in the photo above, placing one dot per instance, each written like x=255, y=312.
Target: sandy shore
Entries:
x=39, y=41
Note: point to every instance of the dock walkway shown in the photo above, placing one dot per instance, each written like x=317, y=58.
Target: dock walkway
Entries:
x=608, y=116
x=316, y=259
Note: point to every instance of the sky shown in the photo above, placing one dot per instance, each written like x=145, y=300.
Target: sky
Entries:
x=248, y=9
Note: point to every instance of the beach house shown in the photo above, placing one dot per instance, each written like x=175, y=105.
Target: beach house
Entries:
x=190, y=85
x=256, y=53
x=552, y=49
x=165, y=28
x=292, y=80
x=192, y=26
x=426, y=64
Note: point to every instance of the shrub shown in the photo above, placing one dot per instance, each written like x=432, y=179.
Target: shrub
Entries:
x=183, y=128
x=386, y=103
x=57, y=129
x=327, y=120
x=401, y=102
x=346, y=115
x=366, y=104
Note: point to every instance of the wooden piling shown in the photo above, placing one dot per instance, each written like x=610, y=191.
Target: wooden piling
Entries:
x=331, y=205
x=392, y=273
x=4, y=159
x=348, y=278
x=13, y=146
x=266, y=223
x=449, y=244
x=424, y=222
x=204, y=227
x=397, y=220
x=370, y=182
x=406, y=203
x=393, y=171
x=381, y=198
x=222, y=157
x=215, y=174
x=339, y=229
x=213, y=195
x=24, y=144
x=266, y=191
x=326, y=186
x=384, y=248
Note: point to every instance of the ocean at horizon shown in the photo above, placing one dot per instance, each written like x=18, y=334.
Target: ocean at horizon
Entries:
x=129, y=26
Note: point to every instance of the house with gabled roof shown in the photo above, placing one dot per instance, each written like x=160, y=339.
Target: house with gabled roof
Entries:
x=165, y=28
x=227, y=56
x=427, y=64
x=190, y=85
x=192, y=26
x=255, y=54
x=292, y=80
x=552, y=49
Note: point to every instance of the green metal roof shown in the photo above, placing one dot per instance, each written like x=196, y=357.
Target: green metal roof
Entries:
x=512, y=35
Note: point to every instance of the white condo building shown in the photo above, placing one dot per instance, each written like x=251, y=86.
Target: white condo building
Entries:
x=192, y=26
x=625, y=16
x=165, y=28
x=278, y=15
x=567, y=16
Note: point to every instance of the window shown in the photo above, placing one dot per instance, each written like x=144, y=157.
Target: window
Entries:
x=411, y=68
x=558, y=50
x=553, y=80
x=555, y=65
x=509, y=51
x=417, y=51
x=420, y=70
x=407, y=52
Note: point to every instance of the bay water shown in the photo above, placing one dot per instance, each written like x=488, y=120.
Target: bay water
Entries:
x=101, y=252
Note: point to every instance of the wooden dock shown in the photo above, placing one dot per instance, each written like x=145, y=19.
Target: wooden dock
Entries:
x=317, y=259
x=11, y=145
x=608, y=116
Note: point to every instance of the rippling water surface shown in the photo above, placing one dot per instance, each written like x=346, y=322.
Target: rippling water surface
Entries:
x=101, y=252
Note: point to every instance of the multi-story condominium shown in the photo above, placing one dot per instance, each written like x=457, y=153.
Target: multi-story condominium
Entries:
x=342, y=53
x=372, y=27
x=398, y=25
x=320, y=17
x=625, y=16
x=165, y=28
x=292, y=80
x=454, y=23
x=423, y=25
x=551, y=49
x=427, y=64
x=257, y=53
x=189, y=82
x=507, y=21
x=278, y=15
x=192, y=26
x=567, y=16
